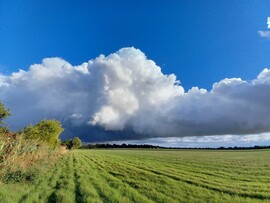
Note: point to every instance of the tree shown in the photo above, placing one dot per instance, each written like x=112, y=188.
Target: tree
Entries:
x=68, y=143
x=3, y=113
x=76, y=143
x=46, y=132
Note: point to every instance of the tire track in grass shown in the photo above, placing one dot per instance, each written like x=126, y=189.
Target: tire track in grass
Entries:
x=194, y=165
x=209, y=187
x=198, y=170
x=78, y=193
x=126, y=193
x=89, y=174
x=163, y=185
x=85, y=192
x=182, y=171
x=43, y=187
x=203, y=182
x=64, y=190
x=180, y=174
x=100, y=185
x=102, y=188
x=156, y=195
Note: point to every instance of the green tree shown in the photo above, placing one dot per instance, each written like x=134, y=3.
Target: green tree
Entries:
x=76, y=143
x=68, y=143
x=46, y=132
x=4, y=112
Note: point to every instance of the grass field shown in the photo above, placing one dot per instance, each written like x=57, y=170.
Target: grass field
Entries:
x=150, y=176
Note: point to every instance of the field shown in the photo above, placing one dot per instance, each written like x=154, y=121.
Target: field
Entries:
x=150, y=176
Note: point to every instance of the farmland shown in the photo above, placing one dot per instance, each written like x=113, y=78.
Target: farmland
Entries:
x=149, y=176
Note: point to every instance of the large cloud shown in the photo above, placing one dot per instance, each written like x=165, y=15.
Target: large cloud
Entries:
x=126, y=96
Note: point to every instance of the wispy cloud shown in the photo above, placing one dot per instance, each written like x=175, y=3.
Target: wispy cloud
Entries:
x=265, y=34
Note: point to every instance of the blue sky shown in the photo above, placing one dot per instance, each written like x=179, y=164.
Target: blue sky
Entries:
x=200, y=41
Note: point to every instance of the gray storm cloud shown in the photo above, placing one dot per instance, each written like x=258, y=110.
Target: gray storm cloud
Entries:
x=125, y=91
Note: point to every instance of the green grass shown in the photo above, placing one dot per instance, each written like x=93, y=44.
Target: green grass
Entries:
x=150, y=176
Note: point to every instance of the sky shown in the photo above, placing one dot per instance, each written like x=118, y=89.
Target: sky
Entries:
x=140, y=93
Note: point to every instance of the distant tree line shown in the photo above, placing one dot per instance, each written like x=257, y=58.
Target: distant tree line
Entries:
x=116, y=146
x=147, y=146
x=241, y=148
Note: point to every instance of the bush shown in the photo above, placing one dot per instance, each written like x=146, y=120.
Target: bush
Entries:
x=45, y=132
x=74, y=143
x=21, y=154
x=21, y=159
x=3, y=113
x=15, y=151
x=19, y=176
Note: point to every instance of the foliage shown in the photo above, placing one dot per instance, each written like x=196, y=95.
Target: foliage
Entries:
x=74, y=143
x=22, y=154
x=68, y=143
x=21, y=159
x=15, y=150
x=147, y=146
x=46, y=132
x=3, y=113
x=20, y=176
x=124, y=146
x=19, y=153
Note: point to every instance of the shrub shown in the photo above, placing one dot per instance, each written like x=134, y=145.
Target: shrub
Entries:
x=74, y=143
x=20, y=176
x=3, y=113
x=16, y=151
x=21, y=159
x=45, y=132
x=22, y=153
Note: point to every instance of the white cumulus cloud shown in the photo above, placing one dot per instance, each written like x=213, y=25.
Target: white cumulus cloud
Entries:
x=265, y=34
x=128, y=96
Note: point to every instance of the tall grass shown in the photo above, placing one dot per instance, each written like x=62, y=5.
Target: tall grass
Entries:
x=19, y=156
x=15, y=151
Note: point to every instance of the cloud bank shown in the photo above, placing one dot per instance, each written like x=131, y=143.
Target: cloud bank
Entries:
x=126, y=96
x=262, y=139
